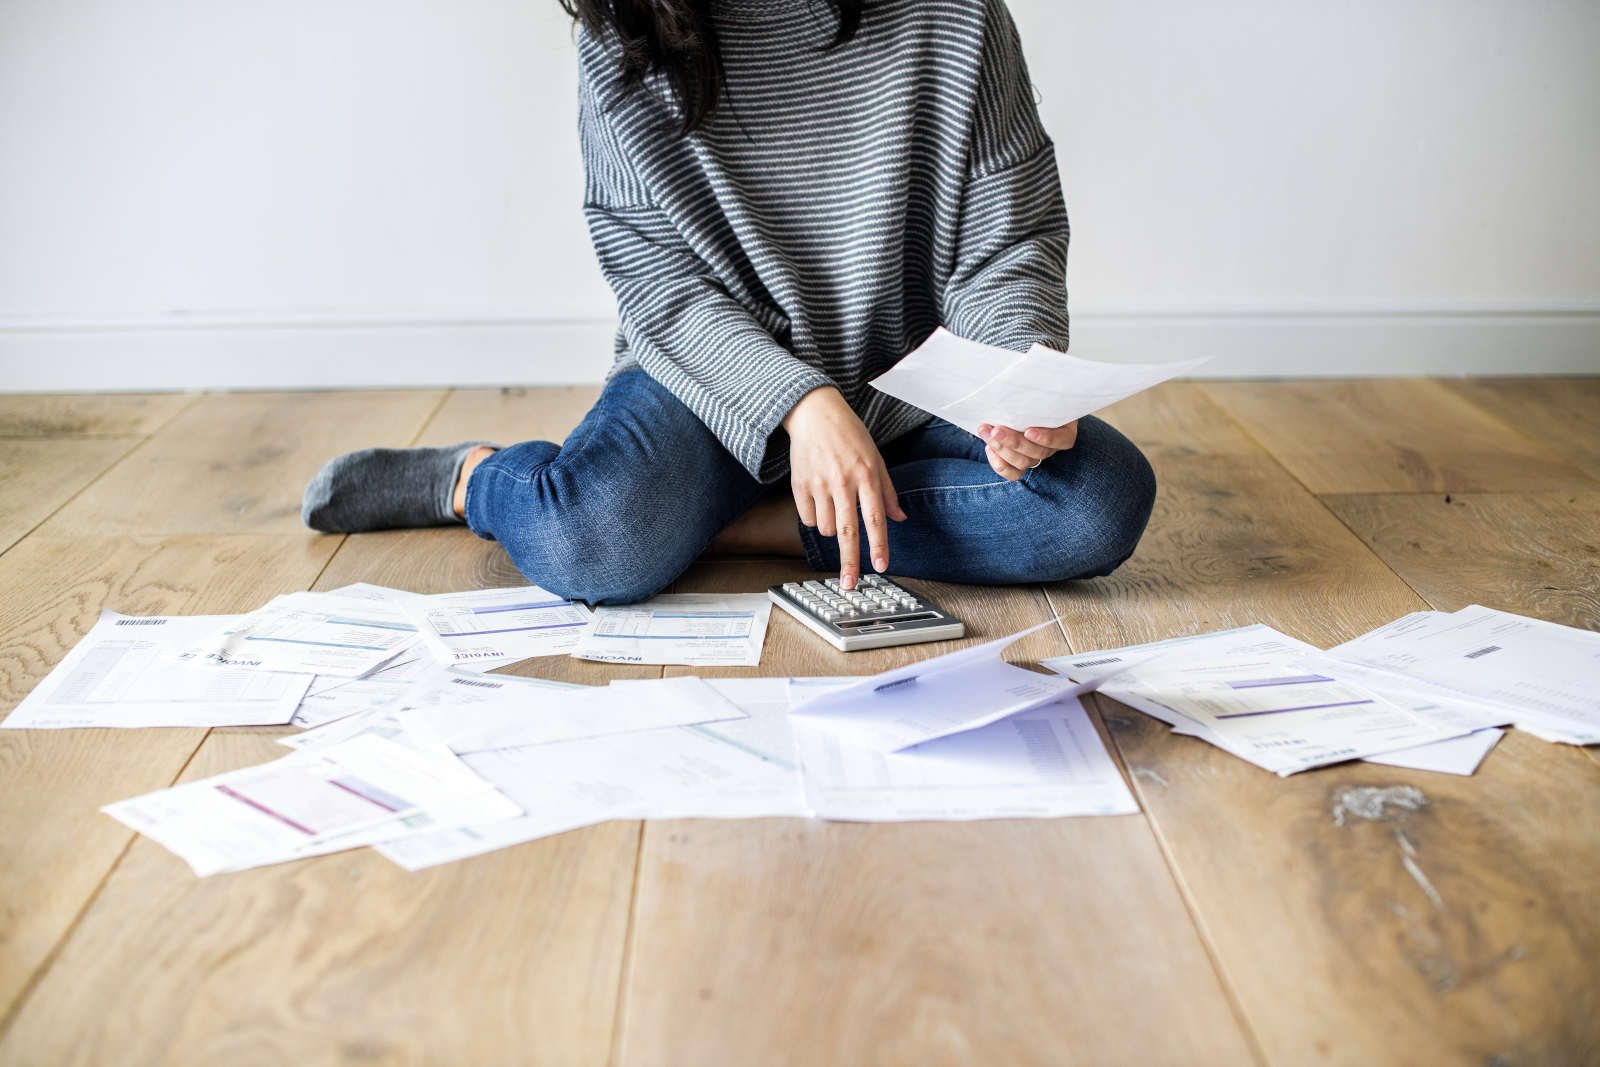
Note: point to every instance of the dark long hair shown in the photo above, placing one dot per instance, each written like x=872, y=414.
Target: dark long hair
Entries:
x=678, y=40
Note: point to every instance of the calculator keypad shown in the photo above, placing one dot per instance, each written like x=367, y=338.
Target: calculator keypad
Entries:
x=874, y=597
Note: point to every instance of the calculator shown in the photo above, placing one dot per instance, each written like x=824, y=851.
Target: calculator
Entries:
x=875, y=614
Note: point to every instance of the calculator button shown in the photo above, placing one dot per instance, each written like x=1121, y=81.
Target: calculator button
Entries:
x=831, y=616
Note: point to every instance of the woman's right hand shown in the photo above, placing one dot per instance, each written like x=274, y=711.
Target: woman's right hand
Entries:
x=834, y=466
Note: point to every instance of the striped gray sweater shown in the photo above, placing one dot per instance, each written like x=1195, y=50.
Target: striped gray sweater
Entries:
x=837, y=208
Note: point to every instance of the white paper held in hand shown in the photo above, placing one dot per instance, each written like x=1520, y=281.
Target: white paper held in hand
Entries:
x=969, y=383
x=123, y=674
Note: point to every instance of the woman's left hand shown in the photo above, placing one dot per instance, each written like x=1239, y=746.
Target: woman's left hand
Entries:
x=1013, y=454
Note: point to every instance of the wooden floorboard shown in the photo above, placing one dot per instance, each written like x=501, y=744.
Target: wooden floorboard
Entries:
x=1240, y=919
x=1452, y=934
x=1563, y=414
x=800, y=942
x=510, y=958
x=1392, y=436
x=57, y=846
x=1532, y=553
x=38, y=475
x=239, y=463
x=510, y=416
x=87, y=415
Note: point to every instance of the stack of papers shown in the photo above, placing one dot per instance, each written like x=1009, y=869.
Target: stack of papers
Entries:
x=968, y=383
x=316, y=633
x=1540, y=675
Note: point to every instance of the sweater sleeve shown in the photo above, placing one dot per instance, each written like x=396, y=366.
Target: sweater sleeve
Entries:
x=1009, y=287
x=718, y=354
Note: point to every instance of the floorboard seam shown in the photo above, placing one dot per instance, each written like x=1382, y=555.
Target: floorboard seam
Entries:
x=39, y=972
x=1230, y=990
x=434, y=414
x=614, y=1057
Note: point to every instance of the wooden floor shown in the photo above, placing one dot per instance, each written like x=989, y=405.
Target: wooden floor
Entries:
x=1233, y=922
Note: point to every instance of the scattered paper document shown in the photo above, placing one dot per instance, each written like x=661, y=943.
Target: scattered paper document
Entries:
x=1444, y=709
x=1459, y=755
x=313, y=633
x=274, y=812
x=568, y=784
x=1045, y=763
x=1274, y=715
x=765, y=731
x=969, y=383
x=123, y=674
x=486, y=628
x=368, y=591
x=330, y=699
x=475, y=713
x=1548, y=675
x=694, y=629
x=934, y=698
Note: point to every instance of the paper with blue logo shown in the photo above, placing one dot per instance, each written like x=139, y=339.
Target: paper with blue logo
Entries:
x=689, y=629
x=480, y=629
x=312, y=633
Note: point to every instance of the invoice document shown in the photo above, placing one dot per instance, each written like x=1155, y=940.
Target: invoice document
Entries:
x=481, y=629
x=693, y=629
x=1432, y=703
x=475, y=713
x=1546, y=674
x=330, y=699
x=316, y=633
x=268, y=813
x=933, y=698
x=1045, y=763
x=123, y=674
x=764, y=731
x=1277, y=716
x=568, y=784
x=969, y=383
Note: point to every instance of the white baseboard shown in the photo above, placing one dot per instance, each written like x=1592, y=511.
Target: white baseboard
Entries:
x=82, y=354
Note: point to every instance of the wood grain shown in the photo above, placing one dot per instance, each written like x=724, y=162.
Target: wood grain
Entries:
x=1391, y=436
x=1461, y=933
x=1338, y=953
x=1233, y=541
x=795, y=942
x=447, y=559
x=1534, y=554
x=1563, y=414
x=85, y=415
x=510, y=416
x=513, y=957
x=38, y=475
x=57, y=847
x=238, y=463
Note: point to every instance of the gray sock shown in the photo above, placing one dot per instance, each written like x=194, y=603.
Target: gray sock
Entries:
x=386, y=488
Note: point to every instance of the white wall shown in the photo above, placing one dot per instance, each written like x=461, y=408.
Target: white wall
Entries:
x=224, y=193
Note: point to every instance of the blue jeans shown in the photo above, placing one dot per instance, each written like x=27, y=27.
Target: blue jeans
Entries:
x=641, y=488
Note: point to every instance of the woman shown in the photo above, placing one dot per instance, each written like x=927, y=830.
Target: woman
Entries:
x=787, y=197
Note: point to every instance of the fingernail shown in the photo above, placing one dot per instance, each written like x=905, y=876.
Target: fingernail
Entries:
x=1034, y=435
x=880, y=564
x=985, y=431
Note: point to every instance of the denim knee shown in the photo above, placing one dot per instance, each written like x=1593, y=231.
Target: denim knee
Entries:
x=1105, y=504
